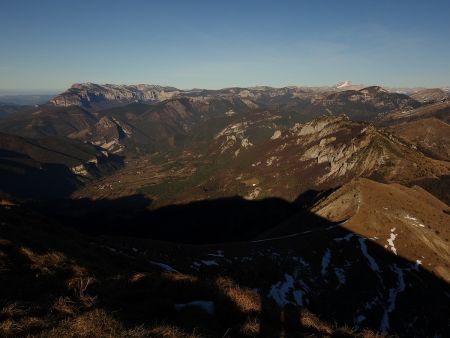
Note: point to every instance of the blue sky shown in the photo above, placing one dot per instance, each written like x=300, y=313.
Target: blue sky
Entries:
x=48, y=45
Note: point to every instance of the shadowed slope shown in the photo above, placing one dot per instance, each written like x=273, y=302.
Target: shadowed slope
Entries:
x=267, y=287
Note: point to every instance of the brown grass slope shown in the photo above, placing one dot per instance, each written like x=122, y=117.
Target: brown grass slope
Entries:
x=418, y=221
x=430, y=135
x=439, y=110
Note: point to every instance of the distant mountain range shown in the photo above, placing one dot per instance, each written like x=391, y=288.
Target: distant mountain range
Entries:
x=236, y=122
x=150, y=117
x=94, y=96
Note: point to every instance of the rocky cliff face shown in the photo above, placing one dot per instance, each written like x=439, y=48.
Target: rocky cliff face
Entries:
x=94, y=96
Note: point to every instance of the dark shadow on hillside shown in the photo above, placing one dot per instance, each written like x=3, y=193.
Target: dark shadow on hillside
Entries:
x=24, y=177
x=200, y=222
x=420, y=306
x=437, y=186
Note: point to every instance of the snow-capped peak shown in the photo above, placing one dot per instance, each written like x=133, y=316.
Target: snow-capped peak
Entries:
x=343, y=84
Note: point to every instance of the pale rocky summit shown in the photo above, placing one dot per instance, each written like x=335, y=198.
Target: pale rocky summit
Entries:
x=90, y=95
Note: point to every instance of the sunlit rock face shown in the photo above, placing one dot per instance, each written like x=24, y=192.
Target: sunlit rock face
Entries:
x=89, y=95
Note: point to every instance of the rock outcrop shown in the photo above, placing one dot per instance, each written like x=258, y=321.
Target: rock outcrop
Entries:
x=94, y=96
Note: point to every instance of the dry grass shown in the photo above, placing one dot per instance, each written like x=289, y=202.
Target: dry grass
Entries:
x=370, y=334
x=79, y=286
x=5, y=242
x=180, y=277
x=167, y=331
x=100, y=324
x=96, y=323
x=22, y=326
x=251, y=327
x=12, y=310
x=14, y=320
x=138, y=276
x=64, y=305
x=45, y=263
x=310, y=321
x=245, y=299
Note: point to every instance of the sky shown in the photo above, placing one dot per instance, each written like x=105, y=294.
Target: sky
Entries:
x=48, y=45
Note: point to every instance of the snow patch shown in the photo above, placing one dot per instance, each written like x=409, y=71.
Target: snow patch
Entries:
x=210, y=263
x=345, y=238
x=163, y=266
x=325, y=262
x=360, y=319
x=218, y=253
x=418, y=263
x=340, y=274
x=391, y=240
x=344, y=84
x=415, y=221
x=298, y=296
x=281, y=290
x=372, y=263
x=393, y=293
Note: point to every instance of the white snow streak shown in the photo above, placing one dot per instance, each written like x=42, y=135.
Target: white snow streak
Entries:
x=325, y=262
x=163, y=266
x=391, y=240
x=393, y=292
x=280, y=292
x=372, y=263
x=360, y=319
x=218, y=253
x=210, y=263
x=415, y=221
x=340, y=274
x=345, y=238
